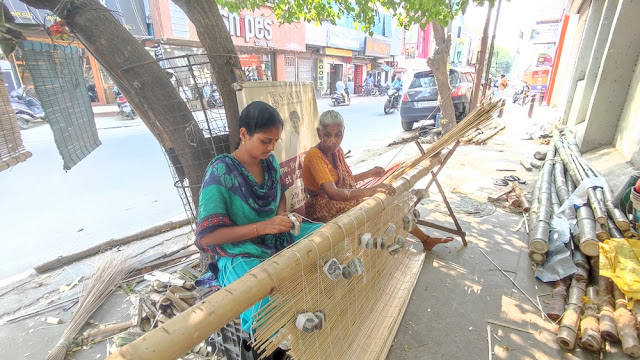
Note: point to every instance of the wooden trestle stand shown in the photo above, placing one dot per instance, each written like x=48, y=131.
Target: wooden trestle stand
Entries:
x=434, y=180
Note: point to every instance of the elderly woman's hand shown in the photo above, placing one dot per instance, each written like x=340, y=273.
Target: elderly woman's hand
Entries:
x=385, y=189
x=377, y=172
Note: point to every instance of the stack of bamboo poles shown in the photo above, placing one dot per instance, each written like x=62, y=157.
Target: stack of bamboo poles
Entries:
x=478, y=118
x=583, y=302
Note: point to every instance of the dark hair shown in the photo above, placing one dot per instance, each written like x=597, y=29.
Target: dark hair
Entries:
x=259, y=116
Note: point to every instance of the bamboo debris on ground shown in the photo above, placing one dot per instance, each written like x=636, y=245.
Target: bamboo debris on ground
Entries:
x=524, y=204
x=626, y=325
x=589, y=326
x=558, y=299
x=568, y=330
x=489, y=134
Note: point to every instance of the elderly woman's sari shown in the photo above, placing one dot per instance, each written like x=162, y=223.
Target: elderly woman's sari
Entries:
x=316, y=170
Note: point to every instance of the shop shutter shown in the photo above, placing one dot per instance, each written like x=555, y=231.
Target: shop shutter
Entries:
x=290, y=68
x=305, y=70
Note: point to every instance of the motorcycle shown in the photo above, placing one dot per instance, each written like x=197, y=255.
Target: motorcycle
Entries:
x=393, y=101
x=338, y=99
x=26, y=107
x=382, y=89
x=124, y=108
x=213, y=97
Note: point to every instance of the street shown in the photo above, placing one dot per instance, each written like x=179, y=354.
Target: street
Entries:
x=123, y=187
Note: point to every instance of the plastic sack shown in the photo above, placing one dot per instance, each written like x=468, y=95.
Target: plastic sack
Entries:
x=620, y=261
x=559, y=263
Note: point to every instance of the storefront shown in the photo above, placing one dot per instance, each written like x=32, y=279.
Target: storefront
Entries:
x=380, y=50
x=267, y=50
x=131, y=14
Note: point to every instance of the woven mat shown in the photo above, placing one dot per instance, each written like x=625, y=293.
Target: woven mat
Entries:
x=61, y=88
x=362, y=314
x=12, y=151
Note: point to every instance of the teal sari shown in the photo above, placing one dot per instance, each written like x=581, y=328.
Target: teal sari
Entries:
x=231, y=196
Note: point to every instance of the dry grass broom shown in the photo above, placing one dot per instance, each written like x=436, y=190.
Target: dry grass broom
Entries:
x=108, y=275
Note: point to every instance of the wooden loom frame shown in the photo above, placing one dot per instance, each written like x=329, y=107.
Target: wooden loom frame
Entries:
x=434, y=180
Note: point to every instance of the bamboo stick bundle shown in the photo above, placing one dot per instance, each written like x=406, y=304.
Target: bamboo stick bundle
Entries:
x=589, y=326
x=489, y=134
x=108, y=275
x=568, y=330
x=477, y=117
x=608, y=328
x=626, y=325
x=587, y=228
x=613, y=230
x=558, y=299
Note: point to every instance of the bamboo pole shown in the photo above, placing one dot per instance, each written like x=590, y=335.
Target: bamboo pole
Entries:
x=587, y=227
x=631, y=234
x=589, y=326
x=626, y=325
x=614, y=231
x=539, y=240
x=537, y=258
x=561, y=183
x=579, y=259
x=524, y=204
x=558, y=299
x=607, y=325
x=185, y=331
x=568, y=330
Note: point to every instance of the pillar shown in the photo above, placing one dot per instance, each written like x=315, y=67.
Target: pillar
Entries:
x=579, y=107
x=614, y=78
x=584, y=53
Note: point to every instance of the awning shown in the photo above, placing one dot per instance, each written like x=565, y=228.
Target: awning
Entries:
x=385, y=67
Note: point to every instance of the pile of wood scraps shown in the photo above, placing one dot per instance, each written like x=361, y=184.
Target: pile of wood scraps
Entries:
x=512, y=193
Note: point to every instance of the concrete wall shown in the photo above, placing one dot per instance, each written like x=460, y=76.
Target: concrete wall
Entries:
x=628, y=133
x=614, y=78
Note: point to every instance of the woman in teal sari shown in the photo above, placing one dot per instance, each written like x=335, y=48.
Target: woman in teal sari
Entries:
x=242, y=218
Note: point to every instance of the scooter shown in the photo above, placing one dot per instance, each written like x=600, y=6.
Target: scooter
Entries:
x=393, y=101
x=338, y=99
x=124, y=109
x=26, y=107
x=213, y=98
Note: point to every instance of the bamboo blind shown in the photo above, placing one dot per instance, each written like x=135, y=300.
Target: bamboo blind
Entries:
x=363, y=313
x=12, y=151
x=61, y=88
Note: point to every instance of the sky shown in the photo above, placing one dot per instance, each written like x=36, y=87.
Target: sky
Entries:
x=514, y=15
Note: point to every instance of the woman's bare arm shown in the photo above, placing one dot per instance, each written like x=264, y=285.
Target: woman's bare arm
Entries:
x=335, y=194
x=227, y=235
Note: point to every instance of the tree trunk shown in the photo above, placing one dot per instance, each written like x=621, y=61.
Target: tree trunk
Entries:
x=438, y=64
x=215, y=39
x=493, y=40
x=152, y=93
x=480, y=61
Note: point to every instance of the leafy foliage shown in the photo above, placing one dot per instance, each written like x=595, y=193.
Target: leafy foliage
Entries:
x=364, y=12
x=502, y=61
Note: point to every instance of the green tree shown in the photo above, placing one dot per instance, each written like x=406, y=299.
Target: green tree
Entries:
x=502, y=62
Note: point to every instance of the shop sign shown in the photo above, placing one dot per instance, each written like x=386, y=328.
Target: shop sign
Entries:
x=343, y=38
x=545, y=33
x=249, y=27
x=339, y=52
x=377, y=47
x=332, y=59
x=322, y=73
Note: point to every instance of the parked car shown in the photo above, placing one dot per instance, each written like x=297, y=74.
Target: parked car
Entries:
x=420, y=101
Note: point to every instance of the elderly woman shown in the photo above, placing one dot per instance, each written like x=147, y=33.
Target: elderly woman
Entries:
x=330, y=184
x=241, y=217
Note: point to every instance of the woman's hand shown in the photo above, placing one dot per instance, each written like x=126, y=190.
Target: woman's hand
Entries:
x=377, y=172
x=276, y=225
x=385, y=189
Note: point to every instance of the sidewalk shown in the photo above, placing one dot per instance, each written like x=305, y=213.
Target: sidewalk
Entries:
x=458, y=290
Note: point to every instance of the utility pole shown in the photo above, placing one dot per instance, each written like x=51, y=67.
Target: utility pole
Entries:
x=480, y=61
x=493, y=39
